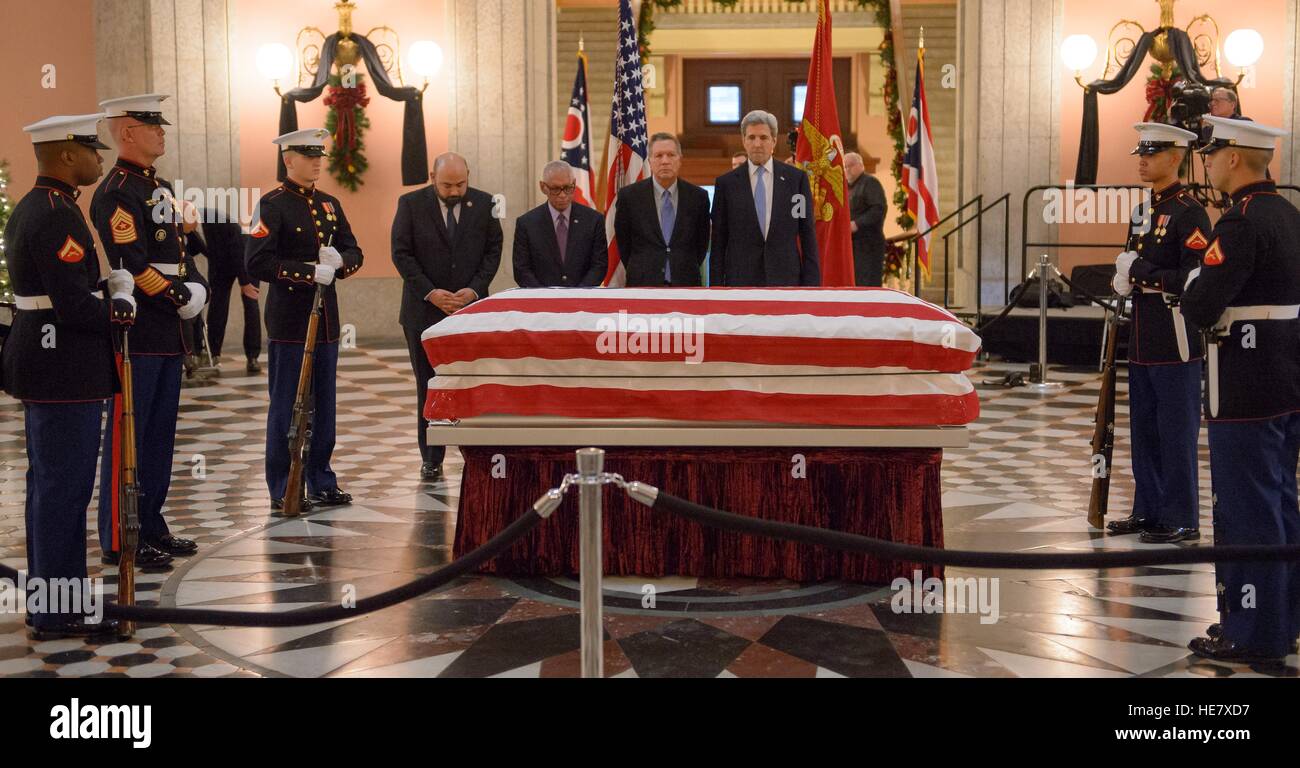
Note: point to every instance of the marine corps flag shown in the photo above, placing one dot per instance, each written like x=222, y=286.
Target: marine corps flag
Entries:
x=820, y=152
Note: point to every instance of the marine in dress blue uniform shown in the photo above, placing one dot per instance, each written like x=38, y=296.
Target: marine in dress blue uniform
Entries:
x=58, y=358
x=135, y=214
x=300, y=239
x=1246, y=294
x=1164, y=372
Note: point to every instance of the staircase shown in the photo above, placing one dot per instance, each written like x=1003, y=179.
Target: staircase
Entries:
x=940, y=22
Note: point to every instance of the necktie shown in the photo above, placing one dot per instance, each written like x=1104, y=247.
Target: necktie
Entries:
x=562, y=234
x=451, y=223
x=760, y=200
x=666, y=218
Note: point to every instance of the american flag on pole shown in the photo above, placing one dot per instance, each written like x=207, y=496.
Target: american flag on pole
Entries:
x=575, y=147
x=625, y=152
x=919, y=174
x=851, y=357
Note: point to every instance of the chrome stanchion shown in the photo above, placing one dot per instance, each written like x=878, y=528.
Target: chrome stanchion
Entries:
x=591, y=482
x=1038, y=375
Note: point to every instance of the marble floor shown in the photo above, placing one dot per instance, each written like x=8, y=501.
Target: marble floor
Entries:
x=1021, y=485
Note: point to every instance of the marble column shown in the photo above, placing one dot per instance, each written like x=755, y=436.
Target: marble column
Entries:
x=181, y=48
x=1010, y=106
x=503, y=102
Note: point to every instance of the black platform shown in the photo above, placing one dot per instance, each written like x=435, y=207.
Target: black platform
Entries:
x=1074, y=336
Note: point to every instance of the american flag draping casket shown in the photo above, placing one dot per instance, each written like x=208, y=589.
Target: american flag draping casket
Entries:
x=845, y=357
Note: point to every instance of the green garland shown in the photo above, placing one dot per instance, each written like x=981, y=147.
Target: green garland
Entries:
x=347, y=165
x=6, y=290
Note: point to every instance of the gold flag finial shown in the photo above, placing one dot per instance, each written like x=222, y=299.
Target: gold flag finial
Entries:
x=580, y=42
x=921, y=43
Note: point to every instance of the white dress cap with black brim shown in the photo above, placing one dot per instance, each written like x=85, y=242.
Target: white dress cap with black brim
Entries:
x=147, y=108
x=309, y=141
x=1244, y=134
x=82, y=129
x=1157, y=137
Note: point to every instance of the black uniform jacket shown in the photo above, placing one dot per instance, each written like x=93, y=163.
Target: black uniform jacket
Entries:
x=291, y=225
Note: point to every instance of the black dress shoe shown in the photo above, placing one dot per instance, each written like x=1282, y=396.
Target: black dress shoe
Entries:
x=277, y=505
x=1169, y=535
x=79, y=627
x=430, y=471
x=1130, y=524
x=330, y=497
x=253, y=366
x=173, y=545
x=1215, y=631
x=146, y=558
x=1219, y=649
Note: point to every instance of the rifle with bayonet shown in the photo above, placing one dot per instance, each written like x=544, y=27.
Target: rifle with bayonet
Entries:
x=128, y=492
x=303, y=407
x=1103, y=432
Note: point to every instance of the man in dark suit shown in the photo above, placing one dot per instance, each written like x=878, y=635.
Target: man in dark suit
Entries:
x=763, y=232
x=447, y=247
x=560, y=243
x=662, y=223
x=225, y=245
x=867, y=207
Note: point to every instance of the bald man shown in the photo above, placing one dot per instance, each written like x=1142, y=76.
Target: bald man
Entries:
x=867, y=207
x=447, y=247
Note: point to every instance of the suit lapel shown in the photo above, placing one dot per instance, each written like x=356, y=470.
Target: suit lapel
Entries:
x=551, y=241
x=440, y=223
x=747, y=194
x=656, y=223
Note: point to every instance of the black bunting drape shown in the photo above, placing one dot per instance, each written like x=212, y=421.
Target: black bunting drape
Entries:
x=415, y=153
x=1184, y=54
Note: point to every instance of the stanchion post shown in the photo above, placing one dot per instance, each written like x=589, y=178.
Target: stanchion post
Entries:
x=1038, y=382
x=591, y=463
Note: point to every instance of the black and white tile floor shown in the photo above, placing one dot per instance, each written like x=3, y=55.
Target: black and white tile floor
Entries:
x=1022, y=485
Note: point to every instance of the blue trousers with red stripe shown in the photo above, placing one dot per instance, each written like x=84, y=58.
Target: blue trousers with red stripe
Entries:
x=1253, y=468
x=284, y=363
x=62, y=445
x=1164, y=422
x=157, y=380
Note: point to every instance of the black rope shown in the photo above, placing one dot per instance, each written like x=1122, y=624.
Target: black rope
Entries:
x=966, y=558
x=304, y=616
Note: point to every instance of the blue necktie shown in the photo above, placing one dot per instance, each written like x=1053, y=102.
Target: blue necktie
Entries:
x=666, y=218
x=760, y=201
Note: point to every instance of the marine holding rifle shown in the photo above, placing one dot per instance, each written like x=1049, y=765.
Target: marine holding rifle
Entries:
x=58, y=358
x=301, y=242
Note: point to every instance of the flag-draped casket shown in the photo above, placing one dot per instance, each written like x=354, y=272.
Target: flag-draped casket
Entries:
x=844, y=357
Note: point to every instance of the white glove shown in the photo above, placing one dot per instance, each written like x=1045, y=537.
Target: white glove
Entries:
x=1195, y=273
x=1124, y=262
x=1121, y=285
x=198, y=297
x=120, y=281
x=330, y=256
x=324, y=274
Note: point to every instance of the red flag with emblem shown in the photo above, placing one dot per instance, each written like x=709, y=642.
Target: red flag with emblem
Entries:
x=820, y=152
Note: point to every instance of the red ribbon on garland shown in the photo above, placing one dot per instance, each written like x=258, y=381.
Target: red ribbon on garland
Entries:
x=345, y=102
x=1159, y=96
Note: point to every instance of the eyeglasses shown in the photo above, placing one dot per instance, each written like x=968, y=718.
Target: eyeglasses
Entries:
x=559, y=190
